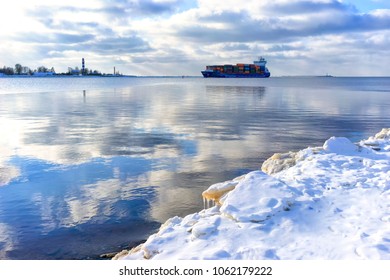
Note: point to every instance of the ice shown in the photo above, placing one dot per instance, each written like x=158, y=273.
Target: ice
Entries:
x=215, y=192
x=383, y=134
x=267, y=194
x=340, y=145
x=282, y=161
x=329, y=202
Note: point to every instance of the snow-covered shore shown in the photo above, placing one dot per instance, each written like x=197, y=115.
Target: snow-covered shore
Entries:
x=330, y=202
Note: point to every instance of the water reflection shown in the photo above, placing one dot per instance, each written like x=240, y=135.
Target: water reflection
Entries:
x=51, y=198
x=89, y=171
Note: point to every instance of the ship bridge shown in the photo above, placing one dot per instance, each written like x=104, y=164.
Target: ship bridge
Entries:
x=260, y=62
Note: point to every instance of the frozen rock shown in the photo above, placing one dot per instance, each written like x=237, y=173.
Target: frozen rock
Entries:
x=383, y=134
x=217, y=191
x=282, y=161
x=279, y=162
x=379, y=141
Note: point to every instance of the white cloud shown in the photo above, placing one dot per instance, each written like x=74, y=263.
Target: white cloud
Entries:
x=178, y=33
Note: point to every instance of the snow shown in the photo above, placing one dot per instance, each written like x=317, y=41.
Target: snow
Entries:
x=266, y=194
x=329, y=202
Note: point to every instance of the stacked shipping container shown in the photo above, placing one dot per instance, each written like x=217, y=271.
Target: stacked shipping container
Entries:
x=239, y=68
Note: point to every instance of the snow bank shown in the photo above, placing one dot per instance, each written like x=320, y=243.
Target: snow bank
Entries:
x=330, y=202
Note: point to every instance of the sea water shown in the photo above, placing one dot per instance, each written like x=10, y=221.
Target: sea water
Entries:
x=93, y=165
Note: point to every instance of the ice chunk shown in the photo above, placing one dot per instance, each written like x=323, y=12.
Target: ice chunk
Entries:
x=379, y=141
x=279, y=162
x=257, y=197
x=340, y=145
x=282, y=161
x=383, y=134
x=215, y=192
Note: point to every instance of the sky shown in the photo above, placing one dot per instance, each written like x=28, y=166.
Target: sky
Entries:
x=172, y=37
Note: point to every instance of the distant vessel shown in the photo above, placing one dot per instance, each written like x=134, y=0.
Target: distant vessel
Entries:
x=240, y=70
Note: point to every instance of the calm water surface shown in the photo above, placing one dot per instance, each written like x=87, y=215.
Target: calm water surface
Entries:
x=95, y=165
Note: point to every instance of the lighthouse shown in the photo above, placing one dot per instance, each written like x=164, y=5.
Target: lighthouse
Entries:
x=82, y=66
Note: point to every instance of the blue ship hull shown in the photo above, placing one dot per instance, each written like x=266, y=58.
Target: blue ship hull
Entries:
x=217, y=74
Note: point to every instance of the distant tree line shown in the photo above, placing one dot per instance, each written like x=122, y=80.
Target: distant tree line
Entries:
x=7, y=71
x=24, y=70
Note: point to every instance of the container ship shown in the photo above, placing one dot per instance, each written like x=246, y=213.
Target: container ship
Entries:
x=240, y=70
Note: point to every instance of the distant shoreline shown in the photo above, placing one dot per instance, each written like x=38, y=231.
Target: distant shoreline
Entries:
x=94, y=76
x=173, y=76
x=68, y=76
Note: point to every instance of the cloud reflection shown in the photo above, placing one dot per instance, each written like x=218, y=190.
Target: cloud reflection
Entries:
x=113, y=162
x=7, y=240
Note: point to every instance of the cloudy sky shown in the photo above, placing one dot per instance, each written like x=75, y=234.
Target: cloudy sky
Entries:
x=172, y=37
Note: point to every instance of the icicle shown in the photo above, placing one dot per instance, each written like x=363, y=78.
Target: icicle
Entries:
x=209, y=203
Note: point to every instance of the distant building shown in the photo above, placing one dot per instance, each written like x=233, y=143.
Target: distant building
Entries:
x=44, y=74
x=74, y=72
